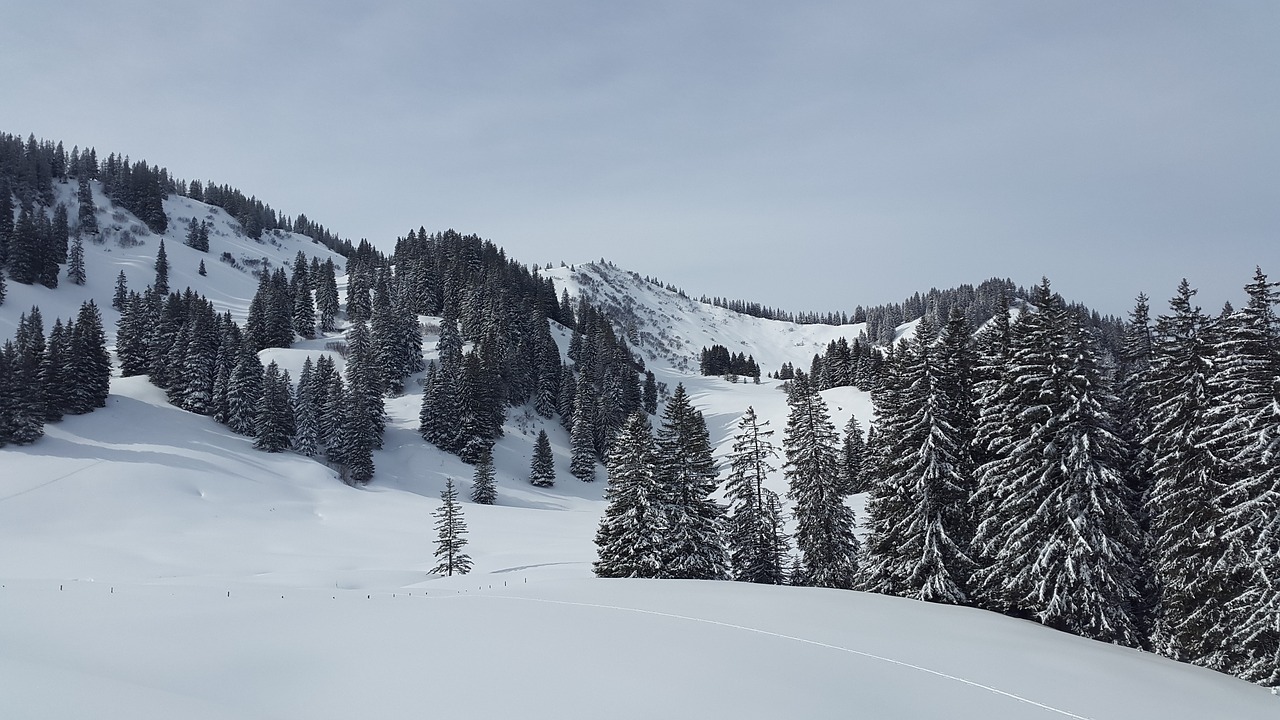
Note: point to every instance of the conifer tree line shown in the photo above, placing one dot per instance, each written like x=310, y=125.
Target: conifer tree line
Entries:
x=504, y=310
x=29, y=168
x=43, y=378
x=1132, y=500
x=717, y=360
x=662, y=522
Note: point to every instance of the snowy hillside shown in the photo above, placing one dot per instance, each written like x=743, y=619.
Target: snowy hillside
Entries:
x=126, y=244
x=670, y=330
x=156, y=565
x=191, y=576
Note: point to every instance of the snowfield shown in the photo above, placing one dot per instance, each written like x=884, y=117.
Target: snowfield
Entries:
x=154, y=565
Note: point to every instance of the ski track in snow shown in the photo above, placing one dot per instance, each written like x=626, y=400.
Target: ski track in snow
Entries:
x=51, y=481
x=816, y=643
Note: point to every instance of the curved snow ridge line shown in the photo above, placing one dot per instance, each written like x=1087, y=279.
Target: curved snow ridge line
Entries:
x=816, y=643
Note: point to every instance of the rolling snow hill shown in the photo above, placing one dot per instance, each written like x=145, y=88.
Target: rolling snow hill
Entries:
x=155, y=565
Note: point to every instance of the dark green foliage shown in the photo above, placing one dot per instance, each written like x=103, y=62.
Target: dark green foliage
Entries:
x=483, y=490
x=631, y=538
x=161, y=284
x=1055, y=535
x=687, y=477
x=542, y=469
x=75, y=263
x=451, y=535
x=824, y=534
x=918, y=512
x=274, y=421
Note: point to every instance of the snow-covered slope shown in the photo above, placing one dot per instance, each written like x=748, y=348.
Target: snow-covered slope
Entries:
x=155, y=565
x=228, y=286
x=670, y=330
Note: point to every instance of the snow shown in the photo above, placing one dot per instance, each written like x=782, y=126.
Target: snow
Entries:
x=156, y=566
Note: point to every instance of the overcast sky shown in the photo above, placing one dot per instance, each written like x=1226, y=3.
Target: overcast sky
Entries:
x=807, y=155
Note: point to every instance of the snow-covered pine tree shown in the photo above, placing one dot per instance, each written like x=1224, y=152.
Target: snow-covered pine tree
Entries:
x=327, y=297
x=1185, y=500
x=244, y=390
x=687, y=476
x=304, y=309
x=89, y=366
x=483, y=489
x=55, y=371
x=851, y=454
x=274, y=424
x=363, y=413
x=824, y=534
x=161, y=284
x=582, y=461
x=758, y=544
x=1244, y=419
x=542, y=469
x=918, y=512
x=306, y=438
x=451, y=535
x=75, y=263
x=631, y=538
x=121, y=295
x=1060, y=538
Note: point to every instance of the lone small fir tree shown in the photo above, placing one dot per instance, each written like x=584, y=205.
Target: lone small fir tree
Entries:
x=451, y=538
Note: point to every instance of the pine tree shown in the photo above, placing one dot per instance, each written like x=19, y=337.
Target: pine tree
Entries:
x=306, y=439
x=161, y=285
x=55, y=372
x=451, y=529
x=824, y=534
x=89, y=363
x=244, y=390
x=121, y=295
x=582, y=462
x=542, y=469
x=200, y=270
x=852, y=451
x=483, y=490
x=758, y=545
x=631, y=538
x=687, y=476
x=1244, y=422
x=1184, y=503
x=918, y=512
x=86, y=212
x=274, y=421
x=75, y=263
x=1058, y=537
x=327, y=297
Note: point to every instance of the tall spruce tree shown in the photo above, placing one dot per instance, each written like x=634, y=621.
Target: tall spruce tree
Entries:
x=631, y=538
x=89, y=368
x=451, y=535
x=582, y=461
x=1245, y=431
x=757, y=542
x=918, y=513
x=1059, y=536
x=1184, y=503
x=483, y=489
x=824, y=533
x=161, y=284
x=687, y=477
x=274, y=422
x=542, y=469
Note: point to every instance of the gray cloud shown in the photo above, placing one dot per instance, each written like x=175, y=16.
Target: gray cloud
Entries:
x=812, y=156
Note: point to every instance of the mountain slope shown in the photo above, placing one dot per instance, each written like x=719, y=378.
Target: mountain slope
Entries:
x=156, y=565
